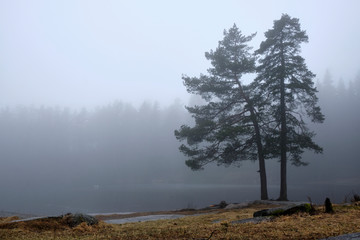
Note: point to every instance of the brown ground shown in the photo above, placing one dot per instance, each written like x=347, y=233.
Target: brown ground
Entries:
x=346, y=219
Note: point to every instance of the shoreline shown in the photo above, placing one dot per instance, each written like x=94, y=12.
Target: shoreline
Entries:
x=156, y=215
x=230, y=222
x=144, y=215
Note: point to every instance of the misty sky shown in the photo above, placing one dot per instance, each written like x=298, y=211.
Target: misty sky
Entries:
x=88, y=53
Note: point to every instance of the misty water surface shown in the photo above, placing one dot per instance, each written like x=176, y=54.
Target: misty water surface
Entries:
x=155, y=197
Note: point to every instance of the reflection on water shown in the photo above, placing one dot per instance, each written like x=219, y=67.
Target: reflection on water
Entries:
x=155, y=197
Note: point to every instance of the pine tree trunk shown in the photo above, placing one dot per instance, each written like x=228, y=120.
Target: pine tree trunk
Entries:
x=283, y=160
x=263, y=181
x=283, y=137
x=261, y=158
x=260, y=150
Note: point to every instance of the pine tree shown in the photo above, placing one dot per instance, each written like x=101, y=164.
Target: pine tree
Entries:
x=227, y=128
x=285, y=79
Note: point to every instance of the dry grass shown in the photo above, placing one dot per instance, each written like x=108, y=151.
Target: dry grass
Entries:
x=8, y=219
x=299, y=226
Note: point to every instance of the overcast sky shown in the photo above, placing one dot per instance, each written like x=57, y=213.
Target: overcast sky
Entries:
x=87, y=53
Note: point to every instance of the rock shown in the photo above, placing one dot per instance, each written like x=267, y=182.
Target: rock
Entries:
x=237, y=205
x=53, y=223
x=286, y=210
x=328, y=206
x=72, y=220
x=352, y=236
x=221, y=205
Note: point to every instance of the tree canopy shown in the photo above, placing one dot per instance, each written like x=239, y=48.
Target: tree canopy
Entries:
x=227, y=128
x=284, y=77
x=263, y=119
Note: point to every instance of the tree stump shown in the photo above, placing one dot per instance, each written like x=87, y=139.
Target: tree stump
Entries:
x=328, y=206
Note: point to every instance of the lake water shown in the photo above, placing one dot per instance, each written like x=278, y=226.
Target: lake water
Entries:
x=144, y=218
x=155, y=197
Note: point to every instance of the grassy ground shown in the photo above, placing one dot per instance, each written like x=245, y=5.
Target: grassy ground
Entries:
x=346, y=219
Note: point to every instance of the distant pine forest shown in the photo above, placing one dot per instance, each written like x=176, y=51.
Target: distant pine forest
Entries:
x=119, y=144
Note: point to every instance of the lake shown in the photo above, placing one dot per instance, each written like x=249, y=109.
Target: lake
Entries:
x=155, y=197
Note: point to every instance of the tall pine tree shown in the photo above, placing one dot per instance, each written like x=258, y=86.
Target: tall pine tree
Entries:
x=285, y=79
x=227, y=128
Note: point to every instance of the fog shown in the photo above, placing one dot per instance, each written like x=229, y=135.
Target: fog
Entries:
x=91, y=93
x=88, y=53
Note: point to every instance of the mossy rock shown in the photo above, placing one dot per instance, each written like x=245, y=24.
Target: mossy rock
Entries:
x=72, y=220
x=51, y=223
x=287, y=210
